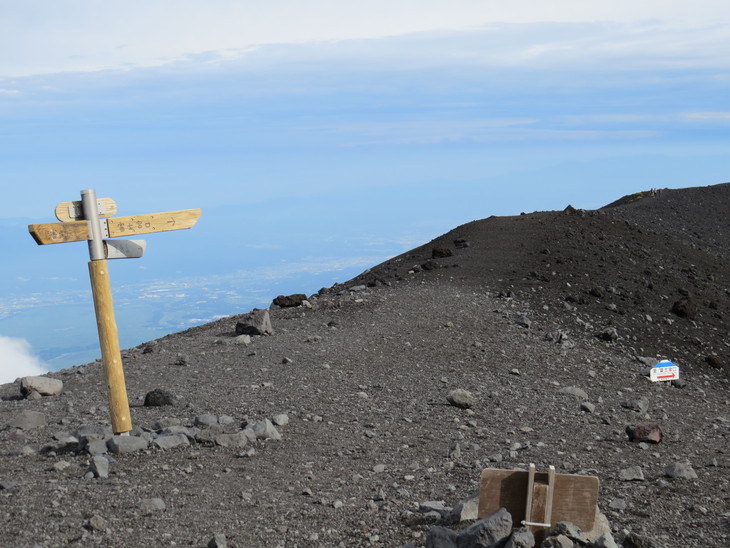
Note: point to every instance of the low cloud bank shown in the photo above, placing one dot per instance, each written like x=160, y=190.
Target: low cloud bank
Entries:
x=17, y=360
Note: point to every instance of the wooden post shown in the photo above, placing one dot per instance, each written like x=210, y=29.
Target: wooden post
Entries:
x=109, y=343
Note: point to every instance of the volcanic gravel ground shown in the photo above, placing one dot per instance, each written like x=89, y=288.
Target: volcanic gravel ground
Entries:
x=371, y=434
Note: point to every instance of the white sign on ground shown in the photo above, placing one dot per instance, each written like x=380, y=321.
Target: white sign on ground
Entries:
x=664, y=371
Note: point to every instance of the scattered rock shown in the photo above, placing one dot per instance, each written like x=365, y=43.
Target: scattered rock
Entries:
x=610, y=334
x=264, y=429
x=256, y=322
x=288, y=301
x=242, y=340
x=126, y=444
x=680, y=470
x=170, y=441
x=441, y=253
x=218, y=541
x=45, y=386
x=634, y=540
x=99, y=467
x=651, y=433
x=206, y=419
x=441, y=537
x=465, y=510
x=640, y=405
x=461, y=398
x=574, y=391
x=487, y=532
x=632, y=473
x=523, y=321
x=685, y=308
x=521, y=538
x=149, y=506
x=96, y=523
x=27, y=420
x=158, y=397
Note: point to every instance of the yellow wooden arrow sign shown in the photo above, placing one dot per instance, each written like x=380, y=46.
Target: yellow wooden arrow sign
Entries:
x=73, y=211
x=77, y=231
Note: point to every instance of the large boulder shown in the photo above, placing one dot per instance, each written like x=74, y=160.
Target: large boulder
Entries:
x=288, y=301
x=256, y=322
x=45, y=386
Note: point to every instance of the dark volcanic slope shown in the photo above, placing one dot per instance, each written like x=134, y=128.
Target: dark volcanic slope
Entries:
x=623, y=267
x=370, y=433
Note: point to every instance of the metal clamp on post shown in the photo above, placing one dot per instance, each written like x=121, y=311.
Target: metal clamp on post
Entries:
x=91, y=214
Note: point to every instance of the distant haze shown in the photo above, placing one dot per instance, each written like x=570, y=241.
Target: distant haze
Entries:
x=17, y=360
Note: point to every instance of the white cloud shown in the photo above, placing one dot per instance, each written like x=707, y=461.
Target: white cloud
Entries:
x=17, y=360
x=62, y=35
x=709, y=116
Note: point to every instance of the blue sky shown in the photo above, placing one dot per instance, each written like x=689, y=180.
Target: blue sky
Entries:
x=322, y=137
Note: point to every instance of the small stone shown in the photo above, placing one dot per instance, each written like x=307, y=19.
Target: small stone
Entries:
x=379, y=468
x=61, y=465
x=574, y=391
x=640, y=405
x=206, y=419
x=337, y=504
x=460, y=398
x=242, y=340
x=610, y=334
x=264, y=429
x=523, y=321
x=617, y=504
x=465, y=510
x=152, y=505
x=96, y=523
x=680, y=470
x=182, y=359
x=588, y=407
x=27, y=420
x=633, y=473
x=126, y=444
x=287, y=361
x=282, y=419
x=99, y=467
x=166, y=442
x=651, y=433
x=218, y=541
x=158, y=397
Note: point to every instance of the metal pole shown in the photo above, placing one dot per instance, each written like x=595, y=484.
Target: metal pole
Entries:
x=105, y=320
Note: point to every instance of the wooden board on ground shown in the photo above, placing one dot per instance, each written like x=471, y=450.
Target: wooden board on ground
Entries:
x=574, y=497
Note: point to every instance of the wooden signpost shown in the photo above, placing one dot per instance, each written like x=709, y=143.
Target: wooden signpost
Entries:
x=92, y=220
